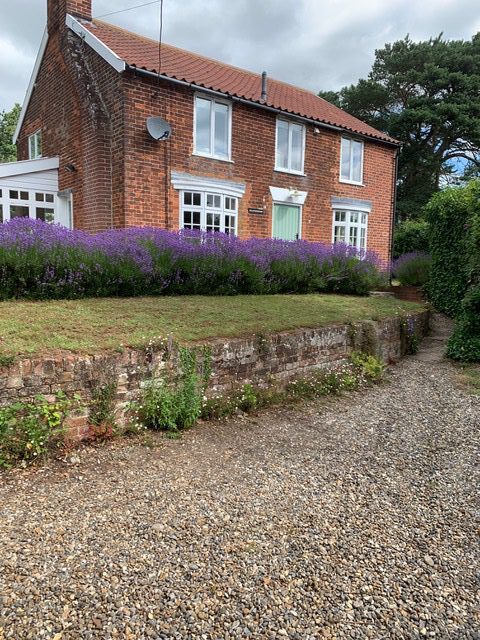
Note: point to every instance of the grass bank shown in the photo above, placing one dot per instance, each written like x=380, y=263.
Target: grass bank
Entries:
x=110, y=323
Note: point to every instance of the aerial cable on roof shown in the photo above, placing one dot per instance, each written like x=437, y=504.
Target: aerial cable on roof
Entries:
x=160, y=36
x=138, y=6
x=157, y=127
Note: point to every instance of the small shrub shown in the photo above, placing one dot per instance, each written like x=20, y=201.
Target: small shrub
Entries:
x=28, y=430
x=412, y=269
x=102, y=406
x=171, y=404
x=368, y=365
x=248, y=400
x=411, y=236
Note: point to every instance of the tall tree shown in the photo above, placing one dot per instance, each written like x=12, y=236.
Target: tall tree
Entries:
x=427, y=96
x=8, y=123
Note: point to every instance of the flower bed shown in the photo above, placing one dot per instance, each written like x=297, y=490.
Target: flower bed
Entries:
x=43, y=261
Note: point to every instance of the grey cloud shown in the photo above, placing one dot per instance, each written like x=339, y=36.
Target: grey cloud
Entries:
x=317, y=45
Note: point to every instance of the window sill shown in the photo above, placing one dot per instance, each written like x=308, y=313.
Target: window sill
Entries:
x=290, y=173
x=357, y=184
x=209, y=157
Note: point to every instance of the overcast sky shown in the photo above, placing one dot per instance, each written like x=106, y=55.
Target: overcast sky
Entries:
x=316, y=44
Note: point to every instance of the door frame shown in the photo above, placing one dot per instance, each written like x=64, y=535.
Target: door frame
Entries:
x=300, y=217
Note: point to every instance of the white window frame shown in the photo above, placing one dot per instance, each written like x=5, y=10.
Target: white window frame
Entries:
x=213, y=101
x=203, y=209
x=35, y=138
x=348, y=224
x=289, y=155
x=32, y=203
x=349, y=180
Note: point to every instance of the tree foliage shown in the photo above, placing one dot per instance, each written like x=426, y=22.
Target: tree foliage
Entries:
x=427, y=96
x=8, y=123
x=411, y=235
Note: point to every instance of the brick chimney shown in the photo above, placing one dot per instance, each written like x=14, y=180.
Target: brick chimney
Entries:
x=58, y=9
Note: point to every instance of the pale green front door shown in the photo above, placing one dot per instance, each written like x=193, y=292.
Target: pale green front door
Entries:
x=286, y=222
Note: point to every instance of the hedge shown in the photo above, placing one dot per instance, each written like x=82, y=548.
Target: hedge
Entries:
x=41, y=261
x=454, y=287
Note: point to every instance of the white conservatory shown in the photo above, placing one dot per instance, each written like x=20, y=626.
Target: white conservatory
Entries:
x=29, y=189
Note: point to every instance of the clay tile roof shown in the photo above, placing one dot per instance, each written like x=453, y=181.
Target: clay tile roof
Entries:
x=138, y=51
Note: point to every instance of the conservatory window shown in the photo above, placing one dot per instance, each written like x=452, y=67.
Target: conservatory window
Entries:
x=20, y=203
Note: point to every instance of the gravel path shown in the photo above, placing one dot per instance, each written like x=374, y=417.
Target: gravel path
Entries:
x=352, y=518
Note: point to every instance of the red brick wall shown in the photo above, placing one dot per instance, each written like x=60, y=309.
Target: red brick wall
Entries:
x=57, y=10
x=77, y=102
x=149, y=193
x=94, y=118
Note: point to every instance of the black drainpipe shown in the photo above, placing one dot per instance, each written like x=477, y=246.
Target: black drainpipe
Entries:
x=394, y=209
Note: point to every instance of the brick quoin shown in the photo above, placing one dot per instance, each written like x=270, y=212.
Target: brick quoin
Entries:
x=93, y=117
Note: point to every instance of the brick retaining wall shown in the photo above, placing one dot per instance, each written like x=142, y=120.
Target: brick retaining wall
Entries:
x=260, y=360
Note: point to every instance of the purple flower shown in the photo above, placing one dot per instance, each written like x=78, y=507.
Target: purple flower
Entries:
x=41, y=260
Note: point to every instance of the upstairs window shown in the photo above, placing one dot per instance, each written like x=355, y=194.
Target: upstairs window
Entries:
x=290, y=147
x=351, y=161
x=212, y=128
x=35, y=145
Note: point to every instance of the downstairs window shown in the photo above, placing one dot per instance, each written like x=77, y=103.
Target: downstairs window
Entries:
x=350, y=227
x=207, y=211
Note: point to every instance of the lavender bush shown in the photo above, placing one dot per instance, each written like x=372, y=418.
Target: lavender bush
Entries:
x=41, y=261
x=412, y=269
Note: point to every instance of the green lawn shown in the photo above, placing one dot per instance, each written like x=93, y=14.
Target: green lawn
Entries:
x=109, y=323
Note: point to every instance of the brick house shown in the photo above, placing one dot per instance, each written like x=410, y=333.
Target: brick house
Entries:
x=247, y=155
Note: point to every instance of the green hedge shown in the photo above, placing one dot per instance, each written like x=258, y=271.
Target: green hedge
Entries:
x=465, y=341
x=449, y=213
x=454, y=288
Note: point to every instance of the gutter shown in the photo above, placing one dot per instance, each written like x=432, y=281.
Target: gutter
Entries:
x=197, y=87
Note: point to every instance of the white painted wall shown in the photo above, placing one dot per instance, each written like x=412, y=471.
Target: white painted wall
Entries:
x=41, y=180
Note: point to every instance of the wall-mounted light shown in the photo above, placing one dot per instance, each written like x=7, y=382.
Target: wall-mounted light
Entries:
x=70, y=168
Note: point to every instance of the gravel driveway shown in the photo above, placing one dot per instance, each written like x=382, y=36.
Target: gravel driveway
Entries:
x=352, y=518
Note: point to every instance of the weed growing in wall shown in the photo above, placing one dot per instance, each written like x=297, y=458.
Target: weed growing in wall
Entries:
x=101, y=420
x=174, y=401
x=362, y=369
x=409, y=335
x=28, y=430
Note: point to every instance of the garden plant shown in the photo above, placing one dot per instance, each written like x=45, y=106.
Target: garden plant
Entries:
x=41, y=261
x=412, y=269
